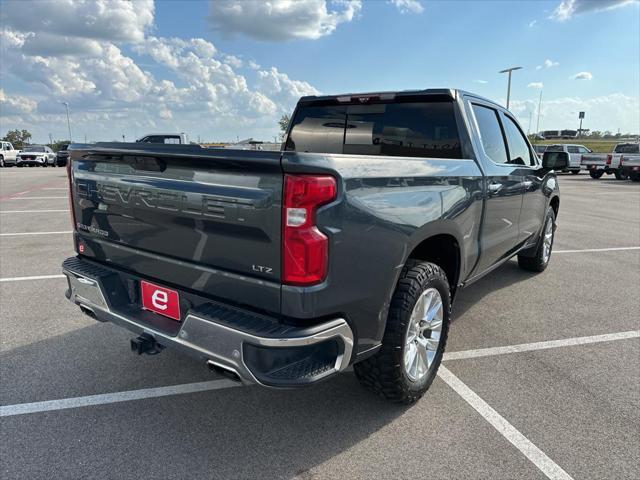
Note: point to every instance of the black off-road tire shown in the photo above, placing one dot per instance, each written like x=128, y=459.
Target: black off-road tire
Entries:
x=596, y=174
x=384, y=373
x=537, y=262
x=620, y=175
x=634, y=176
x=575, y=172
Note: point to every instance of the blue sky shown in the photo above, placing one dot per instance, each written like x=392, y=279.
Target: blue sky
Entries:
x=226, y=69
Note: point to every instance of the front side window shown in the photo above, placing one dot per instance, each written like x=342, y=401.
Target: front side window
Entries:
x=490, y=133
x=519, y=153
x=410, y=129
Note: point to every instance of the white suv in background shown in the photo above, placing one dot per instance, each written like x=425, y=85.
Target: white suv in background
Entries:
x=8, y=155
x=575, y=154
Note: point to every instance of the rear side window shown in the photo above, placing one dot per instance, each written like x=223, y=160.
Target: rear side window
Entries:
x=519, y=151
x=572, y=149
x=412, y=129
x=490, y=133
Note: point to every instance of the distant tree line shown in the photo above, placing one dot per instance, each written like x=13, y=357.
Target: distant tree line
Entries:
x=20, y=138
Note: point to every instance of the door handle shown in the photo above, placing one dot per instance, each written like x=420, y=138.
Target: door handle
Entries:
x=495, y=187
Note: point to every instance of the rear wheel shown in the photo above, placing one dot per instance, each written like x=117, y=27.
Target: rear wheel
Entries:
x=575, y=172
x=620, y=175
x=596, y=174
x=1, y=161
x=540, y=261
x=634, y=176
x=414, y=338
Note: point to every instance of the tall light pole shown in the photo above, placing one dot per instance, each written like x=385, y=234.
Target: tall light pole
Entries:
x=509, y=70
x=539, y=107
x=66, y=104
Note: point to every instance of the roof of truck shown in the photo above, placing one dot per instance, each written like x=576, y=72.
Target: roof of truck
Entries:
x=453, y=93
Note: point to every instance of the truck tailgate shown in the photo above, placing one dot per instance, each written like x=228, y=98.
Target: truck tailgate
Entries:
x=194, y=218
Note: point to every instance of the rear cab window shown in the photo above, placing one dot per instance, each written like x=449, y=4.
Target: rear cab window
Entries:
x=627, y=148
x=410, y=128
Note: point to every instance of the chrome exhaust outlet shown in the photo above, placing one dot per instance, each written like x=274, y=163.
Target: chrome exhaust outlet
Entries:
x=223, y=370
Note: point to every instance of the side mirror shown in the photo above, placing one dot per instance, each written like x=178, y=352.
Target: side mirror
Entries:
x=555, y=160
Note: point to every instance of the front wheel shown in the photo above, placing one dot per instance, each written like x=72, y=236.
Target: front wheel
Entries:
x=575, y=172
x=540, y=260
x=596, y=174
x=414, y=338
x=634, y=176
x=1, y=161
x=620, y=175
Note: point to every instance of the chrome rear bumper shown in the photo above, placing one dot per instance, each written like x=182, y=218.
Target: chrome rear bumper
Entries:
x=271, y=355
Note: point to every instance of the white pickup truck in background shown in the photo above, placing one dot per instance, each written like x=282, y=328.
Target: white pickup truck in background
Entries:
x=600, y=163
x=630, y=161
x=575, y=155
x=8, y=155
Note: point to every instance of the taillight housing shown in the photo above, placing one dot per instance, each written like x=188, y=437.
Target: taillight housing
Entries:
x=305, y=249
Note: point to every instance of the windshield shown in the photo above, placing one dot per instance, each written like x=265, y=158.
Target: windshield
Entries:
x=33, y=148
x=627, y=148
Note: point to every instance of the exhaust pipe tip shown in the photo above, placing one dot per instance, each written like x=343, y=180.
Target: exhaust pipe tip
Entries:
x=223, y=370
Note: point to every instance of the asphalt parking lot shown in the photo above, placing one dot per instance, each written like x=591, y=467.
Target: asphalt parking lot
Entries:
x=541, y=377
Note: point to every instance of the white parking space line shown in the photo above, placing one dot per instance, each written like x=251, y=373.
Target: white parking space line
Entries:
x=586, y=250
x=17, y=234
x=32, y=211
x=37, y=277
x=529, y=347
x=103, y=399
x=75, y=402
x=550, y=468
x=37, y=198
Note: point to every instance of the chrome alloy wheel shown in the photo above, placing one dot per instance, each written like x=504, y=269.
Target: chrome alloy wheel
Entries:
x=423, y=334
x=547, y=241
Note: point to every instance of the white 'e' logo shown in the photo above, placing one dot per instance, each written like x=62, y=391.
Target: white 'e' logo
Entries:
x=160, y=299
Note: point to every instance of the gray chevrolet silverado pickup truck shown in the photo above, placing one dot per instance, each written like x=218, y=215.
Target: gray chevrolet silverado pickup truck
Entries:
x=346, y=247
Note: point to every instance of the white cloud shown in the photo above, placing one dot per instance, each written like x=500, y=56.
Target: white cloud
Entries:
x=482, y=82
x=547, y=64
x=61, y=21
x=281, y=88
x=196, y=89
x=233, y=61
x=607, y=112
x=535, y=85
x=582, y=76
x=568, y=8
x=16, y=104
x=408, y=6
x=279, y=20
x=532, y=23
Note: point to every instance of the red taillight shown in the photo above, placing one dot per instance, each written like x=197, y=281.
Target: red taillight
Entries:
x=71, y=207
x=609, y=159
x=305, y=249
